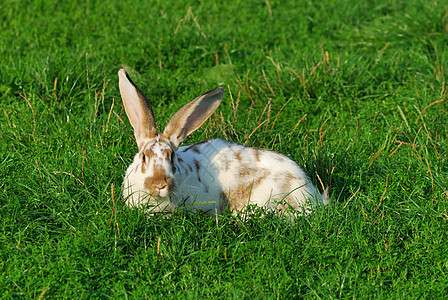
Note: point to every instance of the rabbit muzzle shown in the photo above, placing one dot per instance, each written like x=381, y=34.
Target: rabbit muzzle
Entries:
x=159, y=186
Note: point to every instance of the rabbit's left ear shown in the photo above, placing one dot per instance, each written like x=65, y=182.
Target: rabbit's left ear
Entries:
x=192, y=115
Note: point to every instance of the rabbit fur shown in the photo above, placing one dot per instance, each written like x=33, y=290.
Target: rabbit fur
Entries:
x=211, y=175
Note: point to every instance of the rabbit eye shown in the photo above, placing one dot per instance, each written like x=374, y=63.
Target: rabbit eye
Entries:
x=144, y=158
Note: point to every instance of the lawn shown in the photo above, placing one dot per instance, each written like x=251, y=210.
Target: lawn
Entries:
x=355, y=92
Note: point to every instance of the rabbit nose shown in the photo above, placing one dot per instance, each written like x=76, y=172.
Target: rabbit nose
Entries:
x=161, y=186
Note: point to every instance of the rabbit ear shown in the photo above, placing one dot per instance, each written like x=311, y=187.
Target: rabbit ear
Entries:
x=137, y=108
x=191, y=116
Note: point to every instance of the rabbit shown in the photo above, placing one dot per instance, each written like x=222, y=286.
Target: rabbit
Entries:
x=211, y=175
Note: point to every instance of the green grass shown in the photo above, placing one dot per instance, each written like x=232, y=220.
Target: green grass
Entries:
x=367, y=79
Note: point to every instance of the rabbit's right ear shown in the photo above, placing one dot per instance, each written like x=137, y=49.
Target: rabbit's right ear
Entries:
x=191, y=116
x=137, y=109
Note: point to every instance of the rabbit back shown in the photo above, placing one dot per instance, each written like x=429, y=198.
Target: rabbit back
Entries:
x=216, y=174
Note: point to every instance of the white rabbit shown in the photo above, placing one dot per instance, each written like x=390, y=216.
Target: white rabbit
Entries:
x=210, y=175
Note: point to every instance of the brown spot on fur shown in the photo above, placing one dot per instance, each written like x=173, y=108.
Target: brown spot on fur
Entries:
x=194, y=147
x=223, y=202
x=238, y=156
x=202, y=142
x=257, y=155
x=197, y=165
x=188, y=148
x=288, y=177
x=239, y=198
x=262, y=177
x=260, y=150
x=148, y=153
x=226, y=164
x=281, y=158
x=289, y=201
x=243, y=172
x=166, y=152
x=146, y=156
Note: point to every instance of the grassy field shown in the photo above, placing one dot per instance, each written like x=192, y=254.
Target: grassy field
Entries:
x=355, y=92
